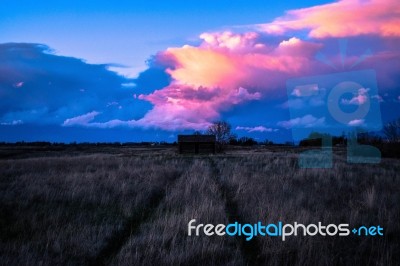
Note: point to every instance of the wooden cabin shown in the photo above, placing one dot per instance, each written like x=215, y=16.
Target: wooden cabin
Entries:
x=196, y=144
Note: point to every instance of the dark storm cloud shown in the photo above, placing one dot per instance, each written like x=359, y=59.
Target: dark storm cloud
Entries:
x=40, y=87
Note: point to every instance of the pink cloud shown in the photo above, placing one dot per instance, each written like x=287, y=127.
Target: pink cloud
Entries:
x=176, y=107
x=227, y=68
x=220, y=66
x=184, y=107
x=231, y=41
x=360, y=98
x=341, y=19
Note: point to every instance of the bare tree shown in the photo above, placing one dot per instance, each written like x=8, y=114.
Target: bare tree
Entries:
x=222, y=132
x=392, y=131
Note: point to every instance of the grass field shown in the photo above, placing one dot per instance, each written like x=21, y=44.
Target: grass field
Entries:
x=131, y=206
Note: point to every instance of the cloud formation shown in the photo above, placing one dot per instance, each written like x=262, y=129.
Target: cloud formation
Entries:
x=360, y=98
x=256, y=129
x=356, y=122
x=81, y=120
x=232, y=68
x=307, y=121
x=344, y=18
x=225, y=70
x=40, y=87
x=191, y=86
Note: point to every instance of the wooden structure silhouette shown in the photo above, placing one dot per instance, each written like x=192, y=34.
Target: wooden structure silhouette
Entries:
x=196, y=143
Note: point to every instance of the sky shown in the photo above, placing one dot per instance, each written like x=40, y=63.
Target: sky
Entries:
x=94, y=71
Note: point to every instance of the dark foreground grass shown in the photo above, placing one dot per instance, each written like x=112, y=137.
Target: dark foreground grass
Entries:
x=132, y=207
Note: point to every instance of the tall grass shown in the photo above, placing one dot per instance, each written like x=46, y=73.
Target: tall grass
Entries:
x=63, y=210
x=164, y=239
x=272, y=189
x=133, y=207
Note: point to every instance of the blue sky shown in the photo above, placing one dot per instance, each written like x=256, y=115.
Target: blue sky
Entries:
x=144, y=70
x=128, y=32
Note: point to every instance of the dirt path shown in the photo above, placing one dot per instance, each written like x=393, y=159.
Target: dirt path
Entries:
x=250, y=249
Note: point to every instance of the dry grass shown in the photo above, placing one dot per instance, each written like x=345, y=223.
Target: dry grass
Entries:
x=107, y=207
x=164, y=240
x=273, y=189
x=62, y=210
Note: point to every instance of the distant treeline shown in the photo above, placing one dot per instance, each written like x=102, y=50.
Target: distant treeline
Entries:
x=116, y=143
x=315, y=139
x=388, y=148
x=243, y=141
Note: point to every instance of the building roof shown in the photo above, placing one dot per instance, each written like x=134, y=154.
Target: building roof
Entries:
x=196, y=138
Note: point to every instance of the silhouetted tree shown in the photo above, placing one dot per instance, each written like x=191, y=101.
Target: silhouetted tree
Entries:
x=315, y=139
x=246, y=141
x=268, y=142
x=233, y=140
x=222, y=132
x=369, y=138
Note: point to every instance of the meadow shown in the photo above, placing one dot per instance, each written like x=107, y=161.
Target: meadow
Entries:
x=124, y=205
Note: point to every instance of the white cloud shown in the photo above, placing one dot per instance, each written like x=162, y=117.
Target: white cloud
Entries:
x=81, y=120
x=305, y=90
x=18, y=84
x=12, y=123
x=356, y=122
x=378, y=98
x=306, y=121
x=242, y=94
x=256, y=129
